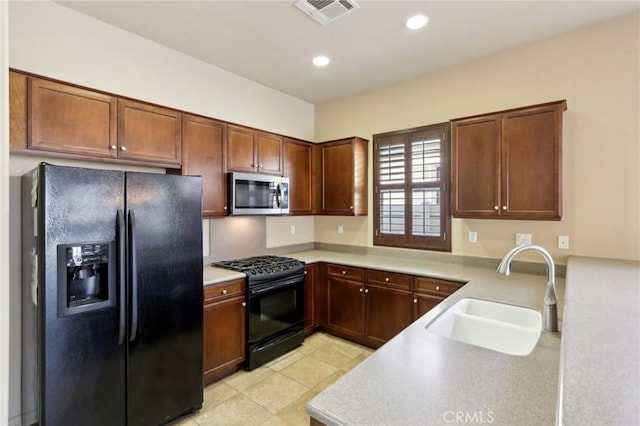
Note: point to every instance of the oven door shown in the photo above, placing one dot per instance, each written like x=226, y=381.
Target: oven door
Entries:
x=275, y=306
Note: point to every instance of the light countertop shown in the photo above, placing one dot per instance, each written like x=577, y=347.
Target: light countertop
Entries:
x=589, y=374
x=419, y=378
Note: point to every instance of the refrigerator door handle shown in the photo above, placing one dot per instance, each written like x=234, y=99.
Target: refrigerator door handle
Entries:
x=122, y=277
x=133, y=270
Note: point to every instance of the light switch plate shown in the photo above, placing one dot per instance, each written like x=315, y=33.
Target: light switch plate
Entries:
x=340, y=229
x=523, y=239
x=292, y=230
x=473, y=237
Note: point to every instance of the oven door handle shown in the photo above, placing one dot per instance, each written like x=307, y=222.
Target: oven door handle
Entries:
x=277, y=286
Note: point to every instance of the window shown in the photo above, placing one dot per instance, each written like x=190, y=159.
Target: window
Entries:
x=411, y=204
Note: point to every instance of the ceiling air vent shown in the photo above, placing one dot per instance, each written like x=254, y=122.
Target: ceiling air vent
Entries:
x=325, y=11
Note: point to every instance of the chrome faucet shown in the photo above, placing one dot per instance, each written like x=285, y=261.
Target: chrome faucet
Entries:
x=550, y=312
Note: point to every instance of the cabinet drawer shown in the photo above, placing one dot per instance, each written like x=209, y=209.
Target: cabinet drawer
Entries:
x=215, y=292
x=390, y=279
x=346, y=272
x=436, y=286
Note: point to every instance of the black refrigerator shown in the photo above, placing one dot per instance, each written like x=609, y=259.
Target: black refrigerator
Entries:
x=112, y=296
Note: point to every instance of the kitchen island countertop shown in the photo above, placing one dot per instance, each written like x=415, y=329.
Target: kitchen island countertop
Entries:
x=419, y=378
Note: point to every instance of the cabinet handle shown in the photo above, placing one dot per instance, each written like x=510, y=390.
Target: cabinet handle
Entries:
x=366, y=290
x=123, y=148
x=224, y=291
x=344, y=272
x=114, y=147
x=496, y=208
x=361, y=290
x=386, y=280
x=244, y=304
x=504, y=208
x=437, y=288
x=415, y=300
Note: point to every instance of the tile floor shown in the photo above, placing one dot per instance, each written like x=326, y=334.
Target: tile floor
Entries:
x=276, y=393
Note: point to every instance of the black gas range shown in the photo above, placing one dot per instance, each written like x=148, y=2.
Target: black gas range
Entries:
x=275, y=302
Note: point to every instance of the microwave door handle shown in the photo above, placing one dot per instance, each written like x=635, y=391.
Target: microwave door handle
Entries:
x=279, y=196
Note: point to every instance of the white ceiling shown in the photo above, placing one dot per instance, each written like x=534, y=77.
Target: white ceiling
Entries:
x=273, y=42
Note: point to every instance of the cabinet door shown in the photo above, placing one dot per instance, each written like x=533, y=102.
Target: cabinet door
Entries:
x=203, y=155
x=269, y=153
x=149, y=134
x=17, y=111
x=531, y=150
x=476, y=166
x=388, y=311
x=70, y=120
x=337, y=179
x=241, y=149
x=298, y=168
x=345, y=312
x=310, y=322
x=423, y=303
x=224, y=337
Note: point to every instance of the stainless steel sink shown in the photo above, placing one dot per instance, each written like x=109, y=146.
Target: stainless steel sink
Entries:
x=509, y=329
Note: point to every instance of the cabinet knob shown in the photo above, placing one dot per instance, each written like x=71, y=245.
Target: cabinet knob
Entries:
x=344, y=272
x=244, y=304
x=361, y=290
x=123, y=148
x=386, y=280
x=415, y=300
x=224, y=208
x=114, y=147
x=366, y=290
x=224, y=291
x=350, y=207
x=305, y=272
x=496, y=208
x=504, y=208
x=437, y=288
x=259, y=166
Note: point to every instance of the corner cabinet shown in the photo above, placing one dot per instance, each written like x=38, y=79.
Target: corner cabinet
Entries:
x=508, y=164
x=344, y=188
x=298, y=167
x=253, y=151
x=203, y=155
x=223, y=329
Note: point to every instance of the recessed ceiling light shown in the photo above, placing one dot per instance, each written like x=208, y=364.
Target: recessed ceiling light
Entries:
x=321, y=61
x=417, y=22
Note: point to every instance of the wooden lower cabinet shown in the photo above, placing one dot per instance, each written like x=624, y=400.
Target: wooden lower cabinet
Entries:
x=429, y=292
x=310, y=316
x=223, y=329
x=370, y=306
x=388, y=312
x=345, y=311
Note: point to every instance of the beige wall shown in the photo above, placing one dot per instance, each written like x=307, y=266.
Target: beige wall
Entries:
x=596, y=69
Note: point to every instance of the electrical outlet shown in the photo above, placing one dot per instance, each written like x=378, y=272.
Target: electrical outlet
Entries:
x=340, y=229
x=292, y=230
x=523, y=239
x=563, y=242
x=473, y=237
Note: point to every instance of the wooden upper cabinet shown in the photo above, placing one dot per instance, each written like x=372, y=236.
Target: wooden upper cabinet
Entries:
x=149, y=133
x=203, y=155
x=269, y=153
x=71, y=120
x=298, y=167
x=252, y=151
x=344, y=189
x=17, y=111
x=509, y=164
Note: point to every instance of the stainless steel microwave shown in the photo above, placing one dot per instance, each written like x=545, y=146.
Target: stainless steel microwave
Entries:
x=255, y=194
